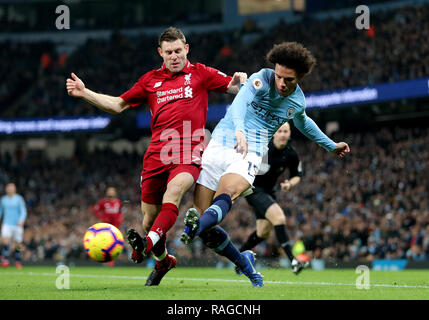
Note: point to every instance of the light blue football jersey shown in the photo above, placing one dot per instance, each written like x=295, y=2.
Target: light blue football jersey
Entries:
x=259, y=110
x=12, y=209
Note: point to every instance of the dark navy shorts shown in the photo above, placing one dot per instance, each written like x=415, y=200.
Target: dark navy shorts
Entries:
x=260, y=200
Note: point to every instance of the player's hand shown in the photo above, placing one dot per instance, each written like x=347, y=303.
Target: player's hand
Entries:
x=20, y=223
x=341, y=149
x=75, y=86
x=241, y=146
x=286, y=185
x=238, y=78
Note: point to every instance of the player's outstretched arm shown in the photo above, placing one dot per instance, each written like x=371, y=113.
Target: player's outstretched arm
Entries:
x=310, y=129
x=237, y=80
x=76, y=88
x=341, y=149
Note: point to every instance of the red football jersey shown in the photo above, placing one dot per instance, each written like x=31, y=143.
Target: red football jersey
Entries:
x=107, y=209
x=178, y=104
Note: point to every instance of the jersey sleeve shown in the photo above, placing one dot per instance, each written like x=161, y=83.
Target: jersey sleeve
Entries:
x=137, y=94
x=310, y=129
x=23, y=210
x=1, y=208
x=216, y=80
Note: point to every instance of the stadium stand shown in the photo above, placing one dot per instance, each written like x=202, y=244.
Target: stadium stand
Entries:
x=123, y=59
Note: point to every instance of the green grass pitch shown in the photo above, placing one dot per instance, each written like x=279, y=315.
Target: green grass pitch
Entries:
x=127, y=283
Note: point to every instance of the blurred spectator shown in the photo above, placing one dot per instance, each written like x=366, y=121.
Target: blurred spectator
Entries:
x=346, y=57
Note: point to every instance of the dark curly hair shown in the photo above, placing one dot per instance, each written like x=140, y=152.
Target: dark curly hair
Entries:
x=292, y=55
x=171, y=34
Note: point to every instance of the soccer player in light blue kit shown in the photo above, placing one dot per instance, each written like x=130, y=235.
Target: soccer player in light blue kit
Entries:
x=233, y=157
x=13, y=211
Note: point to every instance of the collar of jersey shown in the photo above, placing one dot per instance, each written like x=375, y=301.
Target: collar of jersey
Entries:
x=186, y=69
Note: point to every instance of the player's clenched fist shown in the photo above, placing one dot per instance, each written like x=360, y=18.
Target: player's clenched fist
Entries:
x=75, y=86
x=341, y=149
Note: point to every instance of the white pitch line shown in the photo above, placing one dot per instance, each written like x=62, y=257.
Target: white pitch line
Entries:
x=77, y=275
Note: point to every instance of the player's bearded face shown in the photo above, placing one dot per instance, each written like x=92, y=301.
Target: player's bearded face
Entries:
x=174, y=54
x=286, y=80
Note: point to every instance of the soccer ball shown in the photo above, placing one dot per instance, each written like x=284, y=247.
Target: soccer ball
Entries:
x=103, y=242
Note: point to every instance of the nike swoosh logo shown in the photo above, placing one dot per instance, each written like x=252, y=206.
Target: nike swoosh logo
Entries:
x=253, y=268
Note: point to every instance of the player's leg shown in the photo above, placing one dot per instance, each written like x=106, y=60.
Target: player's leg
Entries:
x=17, y=239
x=152, y=189
x=260, y=201
x=203, y=197
x=218, y=240
x=231, y=185
x=176, y=189
x=149, y=211
x=6, y=235
x=237, y=178
x=276, y=216
x=215, y=238
x=212, y=168
x=263, y=230
x=5, y=252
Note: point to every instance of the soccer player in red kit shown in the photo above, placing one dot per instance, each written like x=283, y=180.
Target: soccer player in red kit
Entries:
x=177, y=96
x=108, y=210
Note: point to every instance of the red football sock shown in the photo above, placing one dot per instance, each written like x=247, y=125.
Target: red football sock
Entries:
x=163, y=222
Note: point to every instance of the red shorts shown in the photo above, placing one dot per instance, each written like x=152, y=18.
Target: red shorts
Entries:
x=153, y=186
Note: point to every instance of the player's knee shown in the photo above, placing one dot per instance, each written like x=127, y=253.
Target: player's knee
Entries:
x=263, y=232
x=173, y=193
x=275, y=215
x=230, y=190
x=278, y=219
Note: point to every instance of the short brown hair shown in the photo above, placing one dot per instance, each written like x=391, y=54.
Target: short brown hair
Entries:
x=171, y=34
x=292, y=55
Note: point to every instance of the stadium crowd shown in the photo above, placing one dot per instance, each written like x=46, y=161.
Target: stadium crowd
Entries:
x=391, y=50
x=372, y=205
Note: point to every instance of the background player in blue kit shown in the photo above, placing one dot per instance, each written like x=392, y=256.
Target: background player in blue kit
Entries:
x=269, y=215
x=13, y=211
x=232, y=159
